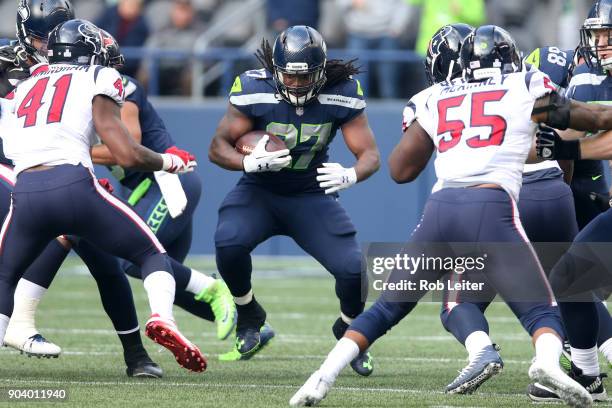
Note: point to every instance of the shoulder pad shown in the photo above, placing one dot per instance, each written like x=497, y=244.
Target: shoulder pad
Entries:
x=253, y=82
x=128, y=85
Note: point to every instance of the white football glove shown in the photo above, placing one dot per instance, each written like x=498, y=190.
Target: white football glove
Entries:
x=333, y=177
x=262, y=160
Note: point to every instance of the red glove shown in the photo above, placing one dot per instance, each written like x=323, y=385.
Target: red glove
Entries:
x=104, y=182
x=178, y=161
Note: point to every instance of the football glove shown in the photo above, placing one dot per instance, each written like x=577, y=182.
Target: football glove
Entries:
x=333, y=177
x=262, y=160
x=550, y=146
x=104, y=182
x=177, y=161
x=603, y=201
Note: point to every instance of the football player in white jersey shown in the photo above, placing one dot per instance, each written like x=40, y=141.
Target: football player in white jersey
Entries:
x=48, y=131
x=482, y=129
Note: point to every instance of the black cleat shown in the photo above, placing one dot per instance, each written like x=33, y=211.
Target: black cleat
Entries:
x=251, y=323
x=139, y=364
x=593, y=384
x=143, y=368
x=363, y=363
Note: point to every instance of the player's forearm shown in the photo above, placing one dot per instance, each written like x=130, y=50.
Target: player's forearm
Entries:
x=590, y=117
x=367, y=164
x=102, y=156
x=597, y=147
x=225, y=156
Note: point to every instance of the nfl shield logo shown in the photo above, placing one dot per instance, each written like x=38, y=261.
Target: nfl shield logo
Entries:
x=299, y=111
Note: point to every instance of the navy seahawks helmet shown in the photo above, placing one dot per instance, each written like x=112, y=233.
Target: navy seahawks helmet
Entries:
x=598, y=21
x=299, y=56
x=114, y=58
x=76, y=42
x=489, y=51
x=36, y=19
x=442, y=59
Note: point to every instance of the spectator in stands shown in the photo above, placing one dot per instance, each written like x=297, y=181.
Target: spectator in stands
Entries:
x=437, y=13
x=175, y=75
x=376, y=25
x=126, y=23
x=532, y=24
x=286, y=13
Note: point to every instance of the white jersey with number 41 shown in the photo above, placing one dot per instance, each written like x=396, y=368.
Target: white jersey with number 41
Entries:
x=482, y=130
x=51, y=122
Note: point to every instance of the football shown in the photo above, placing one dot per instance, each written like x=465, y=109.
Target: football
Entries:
x=248, y=141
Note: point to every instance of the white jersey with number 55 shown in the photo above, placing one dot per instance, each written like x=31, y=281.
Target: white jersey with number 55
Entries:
x=52, y=120
x=482, y=130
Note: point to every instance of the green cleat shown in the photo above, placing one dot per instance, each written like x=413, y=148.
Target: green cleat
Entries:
x=565, y=360
x=222, y=304
x=265, y=335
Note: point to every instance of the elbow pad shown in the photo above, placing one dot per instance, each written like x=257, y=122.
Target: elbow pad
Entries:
x=558, y=111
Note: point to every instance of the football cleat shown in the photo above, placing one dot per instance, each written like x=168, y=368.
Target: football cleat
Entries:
x=33, y=346
x=222, y=304
x=363, y=364
x=485, y=365
x=139, y=364
x=539, y=393
x=312, y=392
x=144, y=368
x=565, y=360
x=247, y=344
x=592, y=383
x=165, y=333
x=568, y=390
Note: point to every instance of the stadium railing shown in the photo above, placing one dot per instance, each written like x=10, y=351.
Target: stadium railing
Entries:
x=230, y=58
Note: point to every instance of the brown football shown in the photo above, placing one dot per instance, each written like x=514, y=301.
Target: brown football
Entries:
x=248, y=141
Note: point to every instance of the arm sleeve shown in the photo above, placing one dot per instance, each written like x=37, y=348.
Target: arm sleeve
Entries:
x=108, y=82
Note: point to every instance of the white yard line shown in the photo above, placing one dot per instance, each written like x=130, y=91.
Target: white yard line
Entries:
x=242, y=385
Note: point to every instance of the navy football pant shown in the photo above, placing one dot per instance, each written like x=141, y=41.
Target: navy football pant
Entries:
x=109, y=270
x=175, y=234
x=580, y=275
x=547, y=214
x=250, y=215
x=586, y=207
x=487, y=215
x=68, y=200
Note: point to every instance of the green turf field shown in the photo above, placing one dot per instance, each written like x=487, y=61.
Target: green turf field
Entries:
x=412, y=364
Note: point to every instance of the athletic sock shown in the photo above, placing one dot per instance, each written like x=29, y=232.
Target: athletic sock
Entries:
x=198, y=282
x=4, y=321
x=586, y=360
x=475, y=342
x=606, y=349
x=160, y=288
x=345, y=351
x=548, y=348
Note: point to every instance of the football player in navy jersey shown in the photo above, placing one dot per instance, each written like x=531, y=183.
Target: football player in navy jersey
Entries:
x=591, y=82
x=304, y=99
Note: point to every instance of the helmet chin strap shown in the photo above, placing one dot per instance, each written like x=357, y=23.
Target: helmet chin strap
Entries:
x=450, y=70
x=607, y=64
